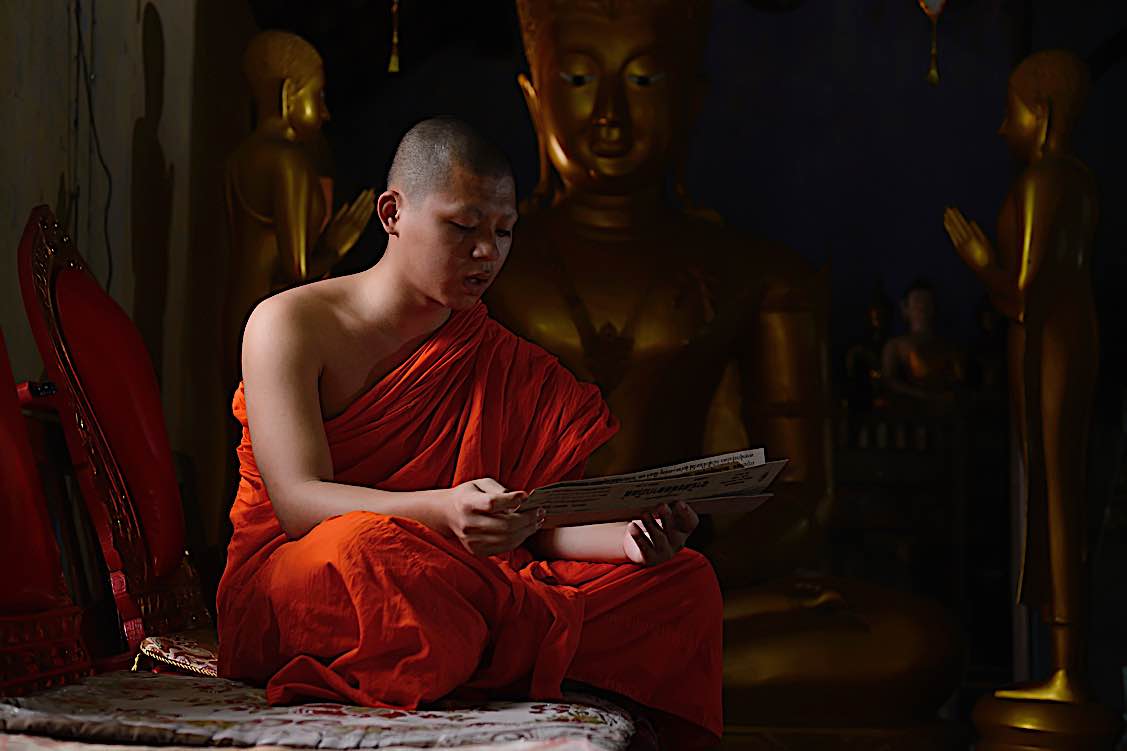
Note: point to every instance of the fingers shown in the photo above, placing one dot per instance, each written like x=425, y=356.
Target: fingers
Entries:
x=359, y=211
x=955, y=225
x=502, y=502
x=498, y=524
x=685, y=519
x=363, y=206
x=489, y=485
x=645, y=547
x=492, y=534
x=658, y=539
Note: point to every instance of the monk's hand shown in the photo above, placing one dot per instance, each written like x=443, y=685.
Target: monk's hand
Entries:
x=659, y=534
x=482, y=515
x=968, y=238
x=349, y=222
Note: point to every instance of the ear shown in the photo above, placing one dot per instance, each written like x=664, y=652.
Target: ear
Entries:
x=287, y=93
x=1044, y=115
x=387, y=208
x=542, y=193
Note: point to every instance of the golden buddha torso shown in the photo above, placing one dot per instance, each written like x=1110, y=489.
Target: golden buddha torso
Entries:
x=1066, y=254
x=702, y=340
x=676, y=323
x=252, y=175
x=631, y=314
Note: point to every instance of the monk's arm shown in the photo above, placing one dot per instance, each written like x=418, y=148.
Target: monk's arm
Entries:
x=591, y=542
x=281, y=368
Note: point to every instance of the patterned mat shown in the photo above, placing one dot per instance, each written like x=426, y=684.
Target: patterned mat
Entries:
x=41, y=743
x=151, y=708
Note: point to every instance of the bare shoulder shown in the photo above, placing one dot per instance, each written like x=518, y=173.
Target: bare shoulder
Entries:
x=292, y=324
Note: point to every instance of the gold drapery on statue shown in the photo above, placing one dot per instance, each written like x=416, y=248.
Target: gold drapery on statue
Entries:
x=1039, y=276
x=701, y=338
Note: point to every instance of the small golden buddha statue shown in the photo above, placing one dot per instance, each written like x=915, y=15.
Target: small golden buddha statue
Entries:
x=699, y=336
x=1039, y=276
x=277, y=206
x=920, y=365
x=863, y=358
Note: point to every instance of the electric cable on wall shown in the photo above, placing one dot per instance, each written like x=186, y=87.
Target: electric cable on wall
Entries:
x=97, y=143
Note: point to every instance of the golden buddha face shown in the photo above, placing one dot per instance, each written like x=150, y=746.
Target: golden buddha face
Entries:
x=1023, y=128
x=304, y=104
x=604, y=97
x=919, y=309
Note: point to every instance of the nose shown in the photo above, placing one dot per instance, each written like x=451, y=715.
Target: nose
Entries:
x=485, y=249
x=610, y=112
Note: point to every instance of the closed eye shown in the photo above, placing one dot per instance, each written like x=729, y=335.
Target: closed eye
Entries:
x=645, y=79
x=463, y=227
x=577, y=79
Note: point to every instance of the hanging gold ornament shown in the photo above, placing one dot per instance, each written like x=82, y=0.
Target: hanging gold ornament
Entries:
x=933, y=8
x=393, y=62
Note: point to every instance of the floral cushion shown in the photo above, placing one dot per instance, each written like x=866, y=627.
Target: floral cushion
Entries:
x=156, y=708
x=43, y=743
x=194, y=652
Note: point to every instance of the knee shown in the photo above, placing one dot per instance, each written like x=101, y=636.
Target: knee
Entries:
x=696, y=582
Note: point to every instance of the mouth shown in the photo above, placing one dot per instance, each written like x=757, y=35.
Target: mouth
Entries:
x=610, y=149
x=475, y=284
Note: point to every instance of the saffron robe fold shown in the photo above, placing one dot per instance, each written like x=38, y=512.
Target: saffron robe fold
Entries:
x=384, y=611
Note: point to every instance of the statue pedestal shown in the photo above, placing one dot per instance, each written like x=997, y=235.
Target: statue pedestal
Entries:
x=1028, y=725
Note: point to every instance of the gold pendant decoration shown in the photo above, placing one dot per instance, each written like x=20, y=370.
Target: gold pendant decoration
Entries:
x=933, y=8
x=393, y=61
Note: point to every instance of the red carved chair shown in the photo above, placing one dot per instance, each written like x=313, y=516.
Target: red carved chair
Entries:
x=114, y=426
x=40, y=640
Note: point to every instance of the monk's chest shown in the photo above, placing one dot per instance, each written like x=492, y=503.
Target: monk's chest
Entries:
x=353, y=367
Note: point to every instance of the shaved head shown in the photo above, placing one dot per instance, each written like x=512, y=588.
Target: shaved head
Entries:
x=434, y=149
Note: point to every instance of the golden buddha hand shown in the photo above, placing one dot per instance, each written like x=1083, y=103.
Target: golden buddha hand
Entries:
x=811, y=594
x=348, y=223
x=660, y=534
x=968, y=238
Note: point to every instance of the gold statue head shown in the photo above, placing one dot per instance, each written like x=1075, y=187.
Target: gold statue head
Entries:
x=1047, y=93
x=287, y=79
x=614, y=86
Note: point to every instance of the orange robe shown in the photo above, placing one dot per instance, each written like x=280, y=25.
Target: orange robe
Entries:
x=384, y=611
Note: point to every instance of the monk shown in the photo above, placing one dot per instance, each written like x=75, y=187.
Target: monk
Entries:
x=391, y=430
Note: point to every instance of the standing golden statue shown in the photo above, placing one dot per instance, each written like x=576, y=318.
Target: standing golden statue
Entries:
x=276, y=207
x=1039, y=276
x=700, y=336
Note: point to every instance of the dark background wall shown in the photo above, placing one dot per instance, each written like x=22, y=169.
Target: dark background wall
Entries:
x=819, y=129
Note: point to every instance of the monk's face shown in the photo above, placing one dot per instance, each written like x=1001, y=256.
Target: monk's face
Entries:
x=456, y=238
x=606, y=100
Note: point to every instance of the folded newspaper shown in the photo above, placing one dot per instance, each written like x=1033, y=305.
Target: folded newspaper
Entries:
x=716, y=484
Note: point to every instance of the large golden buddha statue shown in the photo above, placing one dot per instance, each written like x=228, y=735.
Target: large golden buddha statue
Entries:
x=277, y=208
x=1039, y=276
x=699, y=337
